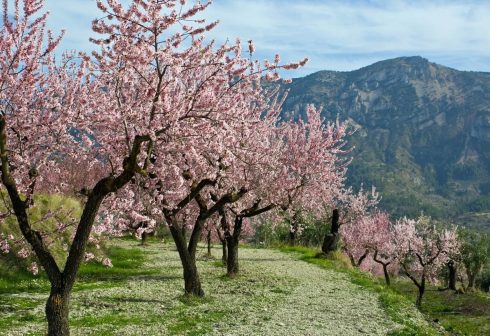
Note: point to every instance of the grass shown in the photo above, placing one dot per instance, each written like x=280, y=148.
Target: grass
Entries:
x=27, y=293
x=141, y=294
x=461, y=314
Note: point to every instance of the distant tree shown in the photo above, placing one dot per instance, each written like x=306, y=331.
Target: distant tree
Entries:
x=384, y=244
x=475, y=254
x=422, y=249
x=348, y=221
x=303, y=169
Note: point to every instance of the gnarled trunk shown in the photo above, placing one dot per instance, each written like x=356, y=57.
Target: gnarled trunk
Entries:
x=358, y=263
x=292, y=237
x=385, y=265
x=191, y=279
x=386, y=274
x=57, y=312
x=192, y=283
x=144, y=238
x=420, y=284
x=331, y=240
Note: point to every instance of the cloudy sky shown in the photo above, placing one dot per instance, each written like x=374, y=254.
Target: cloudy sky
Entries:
x=335, y=35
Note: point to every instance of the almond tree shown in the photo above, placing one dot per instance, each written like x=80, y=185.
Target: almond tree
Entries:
x=302, y=167
x=204, y=97
x=364, y=235
x=384, y=244
x=349, y=208
x=422, y=249
x=40, y=104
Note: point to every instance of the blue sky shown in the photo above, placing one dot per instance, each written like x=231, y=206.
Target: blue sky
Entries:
x=335, y=35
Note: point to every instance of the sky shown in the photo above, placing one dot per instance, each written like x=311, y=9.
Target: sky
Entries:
x=334, y=35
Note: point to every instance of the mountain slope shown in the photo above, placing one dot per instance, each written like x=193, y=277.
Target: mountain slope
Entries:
x=423, y=132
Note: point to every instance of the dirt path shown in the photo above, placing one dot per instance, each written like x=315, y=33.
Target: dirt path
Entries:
x=276, y=294
x=321, y=302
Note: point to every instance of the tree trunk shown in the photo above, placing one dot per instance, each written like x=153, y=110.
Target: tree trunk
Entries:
x=420, y=285
x=224, y=257
x=420, y=294
x=386, y=274
x=352, y=260
x=192, y=283
x=471, y=281
x=191, y=279
x=452, y=275
x=292, y=237
x=362, y=258
x=331, y=240
x=358, y=263
x=208, y=239
x=144, y=237
x=57, y=312
x=385, y=267
x=232, y=263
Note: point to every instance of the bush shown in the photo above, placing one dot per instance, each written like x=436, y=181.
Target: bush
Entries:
x=47, y=215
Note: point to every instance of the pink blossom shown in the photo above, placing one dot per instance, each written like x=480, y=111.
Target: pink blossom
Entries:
x=89, y=256
x=107, y=262
x=33, y=268
x=23, y=253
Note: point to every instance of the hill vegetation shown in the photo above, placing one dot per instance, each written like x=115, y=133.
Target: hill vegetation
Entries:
x=423, y=134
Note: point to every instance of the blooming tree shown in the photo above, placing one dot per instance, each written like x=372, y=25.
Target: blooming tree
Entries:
x=384, y=244
x=349, y=208
x=365, y=235
x=422, y=249
x=206, y=101
x=301, y=167
x=40, y=104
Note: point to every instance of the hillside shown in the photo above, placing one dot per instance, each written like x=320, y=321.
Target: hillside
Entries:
x=423, y=134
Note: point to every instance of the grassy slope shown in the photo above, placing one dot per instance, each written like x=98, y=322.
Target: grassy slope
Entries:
x=64, y=208
x=460, y=314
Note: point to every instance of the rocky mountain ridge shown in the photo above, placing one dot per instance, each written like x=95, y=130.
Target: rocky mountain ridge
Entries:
x=423, y=133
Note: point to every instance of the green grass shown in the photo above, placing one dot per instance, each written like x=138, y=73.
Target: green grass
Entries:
x=105, y=300
x=143, y=289
x=127, y=263
x=462, y=314
x=396, y=305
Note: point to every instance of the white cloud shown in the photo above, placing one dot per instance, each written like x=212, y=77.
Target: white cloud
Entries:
x=337, y=35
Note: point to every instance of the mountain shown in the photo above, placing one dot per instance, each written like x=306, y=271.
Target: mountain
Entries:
x=423, y=133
